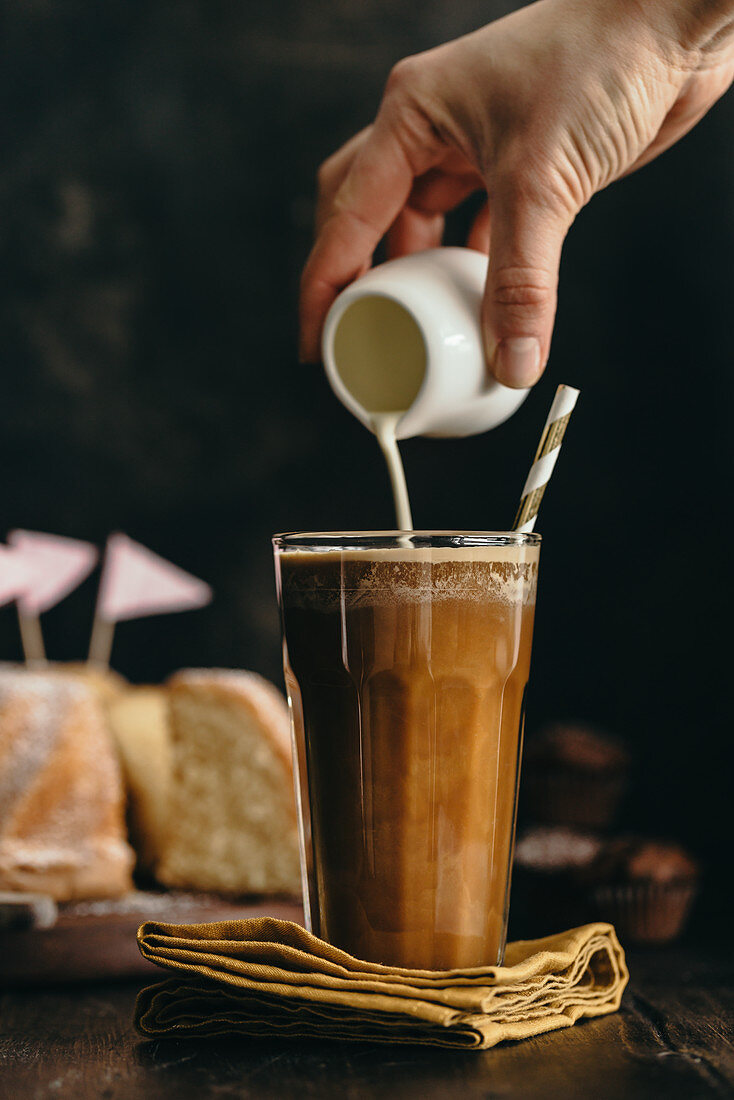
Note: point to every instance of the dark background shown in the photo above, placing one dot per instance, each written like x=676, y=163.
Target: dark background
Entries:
x=157, y=180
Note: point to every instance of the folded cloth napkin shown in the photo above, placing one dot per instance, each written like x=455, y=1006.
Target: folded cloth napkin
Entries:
x=269, y=977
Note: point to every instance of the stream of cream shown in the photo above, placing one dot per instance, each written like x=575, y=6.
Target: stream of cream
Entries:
x=383, y=426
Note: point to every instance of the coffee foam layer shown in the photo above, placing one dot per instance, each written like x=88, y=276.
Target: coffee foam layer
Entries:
x=505, y=574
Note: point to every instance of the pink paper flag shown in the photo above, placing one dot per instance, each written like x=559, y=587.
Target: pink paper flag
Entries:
x=137, y=582
x=56, y=566
x=14, y=575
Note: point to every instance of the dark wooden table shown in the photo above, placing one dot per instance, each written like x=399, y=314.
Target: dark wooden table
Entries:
x=672, y=1039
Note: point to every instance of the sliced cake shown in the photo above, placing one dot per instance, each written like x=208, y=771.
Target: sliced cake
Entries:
x=232, y=824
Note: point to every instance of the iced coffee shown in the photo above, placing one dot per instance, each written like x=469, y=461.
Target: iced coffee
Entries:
x=406, y=662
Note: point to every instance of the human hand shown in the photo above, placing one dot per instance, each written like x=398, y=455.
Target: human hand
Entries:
x=540, y=109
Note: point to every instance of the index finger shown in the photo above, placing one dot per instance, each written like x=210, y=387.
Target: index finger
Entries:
x=364, y=207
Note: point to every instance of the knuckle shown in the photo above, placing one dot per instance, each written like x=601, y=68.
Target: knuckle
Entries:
x=324, y=173
x=402, y=75
x=523, y=288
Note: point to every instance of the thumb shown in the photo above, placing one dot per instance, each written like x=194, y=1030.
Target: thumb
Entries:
x=520, y=295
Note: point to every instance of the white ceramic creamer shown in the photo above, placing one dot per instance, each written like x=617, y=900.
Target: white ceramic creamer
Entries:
x=405, y=339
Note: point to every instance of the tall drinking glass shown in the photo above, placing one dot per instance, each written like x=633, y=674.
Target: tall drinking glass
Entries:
x=406, y=660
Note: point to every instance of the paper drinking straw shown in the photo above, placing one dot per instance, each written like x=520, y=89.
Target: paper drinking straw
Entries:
x=545, y=457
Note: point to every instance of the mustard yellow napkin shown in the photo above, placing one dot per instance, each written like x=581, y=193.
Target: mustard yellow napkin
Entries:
x=269, y=977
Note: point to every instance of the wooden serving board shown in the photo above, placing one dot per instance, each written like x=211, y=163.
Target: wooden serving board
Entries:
x=95, y=940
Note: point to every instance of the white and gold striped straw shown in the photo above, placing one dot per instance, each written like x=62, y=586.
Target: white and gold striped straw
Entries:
x=545, y=457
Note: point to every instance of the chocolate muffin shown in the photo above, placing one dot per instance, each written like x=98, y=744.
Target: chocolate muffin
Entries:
x=548, y=894
x=645, y=888
x=574, y=775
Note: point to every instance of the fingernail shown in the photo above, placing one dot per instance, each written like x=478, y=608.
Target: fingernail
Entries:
x=517, y=361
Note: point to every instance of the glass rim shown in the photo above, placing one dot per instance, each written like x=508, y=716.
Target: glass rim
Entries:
x=400, y=540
